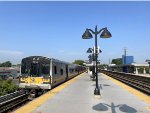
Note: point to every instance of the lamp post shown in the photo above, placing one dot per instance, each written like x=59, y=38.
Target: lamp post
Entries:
x=87, y=35
x=91, y=59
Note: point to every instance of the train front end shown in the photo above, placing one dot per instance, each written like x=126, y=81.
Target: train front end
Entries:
x=35, y=74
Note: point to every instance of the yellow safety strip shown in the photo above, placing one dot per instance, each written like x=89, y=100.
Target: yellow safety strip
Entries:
x=40, y=100
x=148, y=108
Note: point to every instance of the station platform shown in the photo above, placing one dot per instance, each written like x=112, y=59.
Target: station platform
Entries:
x=77, y=96
x=144, y=75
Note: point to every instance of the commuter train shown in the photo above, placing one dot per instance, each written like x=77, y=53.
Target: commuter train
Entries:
x=39, y=74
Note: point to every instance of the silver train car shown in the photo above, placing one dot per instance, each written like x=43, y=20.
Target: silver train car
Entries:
x=39, y=74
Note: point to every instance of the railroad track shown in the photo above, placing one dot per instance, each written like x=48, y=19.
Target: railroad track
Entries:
x=139, y=82
x=11, y=100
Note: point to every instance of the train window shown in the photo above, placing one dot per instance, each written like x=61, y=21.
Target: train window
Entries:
x=61, y=71
x=25, y=68
x=71, y=70
x=55, y=70
x=45, y=69
x=76, y=70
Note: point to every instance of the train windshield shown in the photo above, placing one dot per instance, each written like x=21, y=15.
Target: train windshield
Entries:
x=25, y=68
x=45, y=69
x=35, y=69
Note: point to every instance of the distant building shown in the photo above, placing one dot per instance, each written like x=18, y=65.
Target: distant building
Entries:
x=131, y=68
x=6, y=72
x=127, y=59
x=111, y=64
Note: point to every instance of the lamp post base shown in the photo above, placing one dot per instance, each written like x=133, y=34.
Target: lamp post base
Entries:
x=96, y=91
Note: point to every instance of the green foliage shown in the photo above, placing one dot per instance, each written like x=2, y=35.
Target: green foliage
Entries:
x=0, y=79
x=104, y=65
x=6, y=64
x=79, y=62
x=147, y=69
x=141, y=70
x=6, y=86
x=117, y=61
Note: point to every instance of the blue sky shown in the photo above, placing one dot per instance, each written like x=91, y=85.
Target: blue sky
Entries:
x=54, y=29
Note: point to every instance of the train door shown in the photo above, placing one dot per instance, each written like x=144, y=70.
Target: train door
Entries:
x=54, y=73
x=66, y=72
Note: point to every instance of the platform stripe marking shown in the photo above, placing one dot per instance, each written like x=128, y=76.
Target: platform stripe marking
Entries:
x=28, y=108
x=148, y=108
x=137, y=93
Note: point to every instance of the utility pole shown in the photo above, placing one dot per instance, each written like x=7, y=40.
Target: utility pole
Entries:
x=125, y=53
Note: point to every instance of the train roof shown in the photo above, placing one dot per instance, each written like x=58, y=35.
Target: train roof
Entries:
x=43, y=57
x=30, y=58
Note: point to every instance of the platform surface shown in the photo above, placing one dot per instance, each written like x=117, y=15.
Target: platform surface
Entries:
x=78, y=97
x=145, y=75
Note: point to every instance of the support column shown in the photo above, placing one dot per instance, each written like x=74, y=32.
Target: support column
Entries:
x=136, y=70
x=144, y=71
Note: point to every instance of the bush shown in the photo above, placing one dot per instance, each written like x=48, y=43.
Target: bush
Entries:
x=6, y=87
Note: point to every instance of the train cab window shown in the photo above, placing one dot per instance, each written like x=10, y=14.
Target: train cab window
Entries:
x=35, y=70
x=45, y=69
x=61, y=71
x=55, y=70
x=25, y=69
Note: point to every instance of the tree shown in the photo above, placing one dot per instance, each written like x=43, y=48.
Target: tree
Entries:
x=79, y=62
x=6, y=64
x=117, y=61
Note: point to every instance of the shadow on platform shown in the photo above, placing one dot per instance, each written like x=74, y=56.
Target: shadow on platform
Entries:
x=122, y=107
x=101, y=85
x=106, y=85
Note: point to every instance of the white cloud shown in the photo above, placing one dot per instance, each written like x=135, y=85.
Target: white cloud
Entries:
x=14, y=53
x=13, y=56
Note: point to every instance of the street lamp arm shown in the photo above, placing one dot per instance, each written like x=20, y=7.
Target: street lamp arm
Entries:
x=91, y=31
x=96, y=32
x=101, y=30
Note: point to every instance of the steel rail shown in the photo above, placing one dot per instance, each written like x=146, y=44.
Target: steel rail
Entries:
x=9, y=96
x=9, y=101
